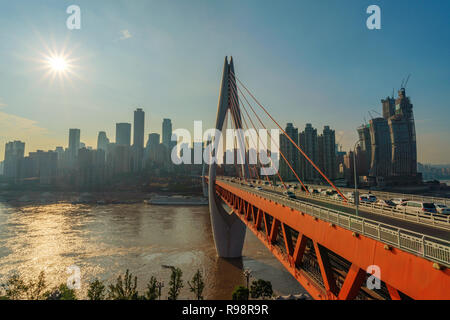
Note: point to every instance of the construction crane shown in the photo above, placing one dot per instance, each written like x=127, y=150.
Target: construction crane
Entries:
x=404, y=83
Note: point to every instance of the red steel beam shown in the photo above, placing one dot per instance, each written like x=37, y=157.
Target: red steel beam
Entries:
x=400, y=270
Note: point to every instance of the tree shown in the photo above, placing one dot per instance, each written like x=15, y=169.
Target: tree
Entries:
x=15, y=288
x=124, y=289
x=176, y=284
x=197, y=285
x=36, y=290
x=152, y=292
x=261, y=289
x=61, y=293
x=96, y=290
x=240, y=293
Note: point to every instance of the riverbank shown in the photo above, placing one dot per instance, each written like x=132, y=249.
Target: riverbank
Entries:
x=21, y=198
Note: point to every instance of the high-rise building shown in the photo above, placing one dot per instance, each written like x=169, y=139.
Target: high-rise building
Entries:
x=45, y=165
x=123, y=134
x=167, y=133
x=388, y=105
x=152, y=145
x=153, y=140
x=138, y=139
x=381, y=149
x=14, y=152
x=403, y=138
x=290, y=152
x=309, y=144
x=390, y=145
x=102, y=141
x=138, y=130
x=74, y=144
x=366, y=147
x=327, y=153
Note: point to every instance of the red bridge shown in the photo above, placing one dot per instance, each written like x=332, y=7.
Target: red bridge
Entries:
x=334, y=250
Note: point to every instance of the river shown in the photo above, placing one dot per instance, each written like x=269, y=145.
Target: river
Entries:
x=104, y=241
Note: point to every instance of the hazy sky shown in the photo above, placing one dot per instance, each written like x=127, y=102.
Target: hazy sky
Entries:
x=307, y=61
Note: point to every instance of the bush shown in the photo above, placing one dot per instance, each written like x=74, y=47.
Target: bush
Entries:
x=176, y=284
x=97, y=290
x=240, y=293
x=261, y=289
x=124, y=289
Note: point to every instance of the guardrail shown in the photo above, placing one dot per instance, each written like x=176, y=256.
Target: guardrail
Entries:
x=392, y=195
x=435, y=219
x=434, y=249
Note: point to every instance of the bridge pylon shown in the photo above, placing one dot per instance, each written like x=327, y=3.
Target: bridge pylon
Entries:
x=228, y=229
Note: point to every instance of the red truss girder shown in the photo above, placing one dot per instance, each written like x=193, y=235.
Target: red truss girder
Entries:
x=400, y=270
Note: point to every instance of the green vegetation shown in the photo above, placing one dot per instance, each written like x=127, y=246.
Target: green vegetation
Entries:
x=176, y=284
x=197, y=285
x=97, y=290
x=261, y=289
x=124, y=288
x=240, y=293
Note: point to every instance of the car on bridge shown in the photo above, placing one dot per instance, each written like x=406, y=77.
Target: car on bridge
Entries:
x=442, y=208
x=258, y=188
x=337, y=196
x=417, y=207
x=368, y=198
x=399, y=201
x=290, y=194
x=385, y=203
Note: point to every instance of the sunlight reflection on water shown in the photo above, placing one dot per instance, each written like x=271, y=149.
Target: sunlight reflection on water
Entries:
x=104, y=241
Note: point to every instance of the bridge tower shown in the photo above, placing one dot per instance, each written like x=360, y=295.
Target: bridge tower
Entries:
x=228, y=229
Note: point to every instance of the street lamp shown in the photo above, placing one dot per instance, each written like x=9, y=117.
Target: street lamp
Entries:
x=356, y=196
x=247, y=274
x=159, y=285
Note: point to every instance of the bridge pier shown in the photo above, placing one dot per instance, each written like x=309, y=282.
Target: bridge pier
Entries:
x=228, y=229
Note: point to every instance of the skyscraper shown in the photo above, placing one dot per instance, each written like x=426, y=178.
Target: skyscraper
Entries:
x=290, y=152
x=309, y=144
x=167, y=133
x=138, y=139
x=153, y=140
x=14, y=152
x=327, y=153
x=388, y=105
x=74, y=143
x=138, y=130
x=403, y=138
x=381, y=149
x=366, y=148
x=123, y=134
x=102, y=141
x=390, y=145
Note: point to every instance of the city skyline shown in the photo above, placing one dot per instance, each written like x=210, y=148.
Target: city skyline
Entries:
x=121, y=63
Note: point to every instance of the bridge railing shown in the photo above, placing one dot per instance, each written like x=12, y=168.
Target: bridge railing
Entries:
x=435, y=219
x=434, y=249
x=392, y=195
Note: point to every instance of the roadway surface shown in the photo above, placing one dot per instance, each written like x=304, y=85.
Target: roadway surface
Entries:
x=362, y=212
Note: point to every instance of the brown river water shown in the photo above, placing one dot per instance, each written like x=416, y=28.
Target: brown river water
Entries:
x=104, y=241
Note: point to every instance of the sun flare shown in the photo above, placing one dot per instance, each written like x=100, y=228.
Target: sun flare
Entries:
x=58, y=64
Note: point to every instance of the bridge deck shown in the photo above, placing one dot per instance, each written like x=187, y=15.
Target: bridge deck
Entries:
x=428, y=230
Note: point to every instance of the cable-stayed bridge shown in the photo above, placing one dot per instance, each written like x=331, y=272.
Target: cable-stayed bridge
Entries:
x=330, y=246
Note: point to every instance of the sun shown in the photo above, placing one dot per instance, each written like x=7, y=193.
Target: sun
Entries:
x=58, y=64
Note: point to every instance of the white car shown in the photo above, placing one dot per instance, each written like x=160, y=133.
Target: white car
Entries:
x=258, y=188
x=417, y=207
x=399, y=201
x=442, y=208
